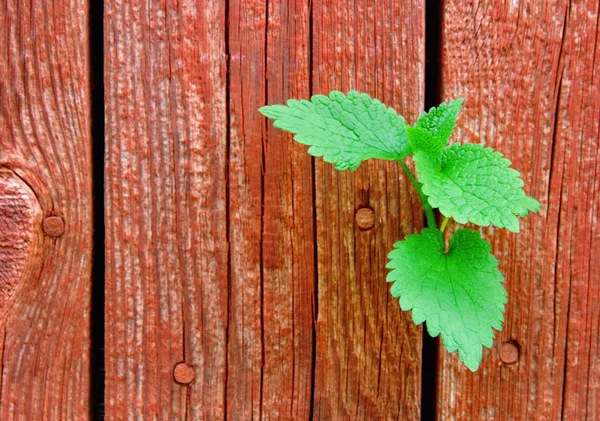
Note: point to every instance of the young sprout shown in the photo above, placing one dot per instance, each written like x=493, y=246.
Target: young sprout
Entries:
x=456, y=291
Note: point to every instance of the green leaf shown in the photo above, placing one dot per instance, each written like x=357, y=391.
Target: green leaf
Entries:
x=471, y=183
x=344, y=130
x=440, y=121
x=426, y=143
x=458, y=293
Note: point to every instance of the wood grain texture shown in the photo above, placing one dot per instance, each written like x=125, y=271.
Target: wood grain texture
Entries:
x=368, y=354
x=210, y=217
x=45, y=171
x=529, y=73
x=20, y=221
x=270, y=348
x=166, y=208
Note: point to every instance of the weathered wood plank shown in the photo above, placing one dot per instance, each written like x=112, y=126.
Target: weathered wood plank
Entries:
x=45, y=210
x=368, y=353
x=271, y=217
x=531, y=80
x=577, y=139
x=166, y=209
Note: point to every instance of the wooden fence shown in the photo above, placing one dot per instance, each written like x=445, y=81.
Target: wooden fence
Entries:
x=238, y=281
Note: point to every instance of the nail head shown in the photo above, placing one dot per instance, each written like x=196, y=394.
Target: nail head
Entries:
x=509, y=353
x=184, y=373
x=53, y=226
x=365, y=218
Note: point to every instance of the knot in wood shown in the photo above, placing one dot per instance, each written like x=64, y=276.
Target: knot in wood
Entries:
x=509, y=353
x=365, y=218
x=53, y=226
x=20, y=214
x=184, y=373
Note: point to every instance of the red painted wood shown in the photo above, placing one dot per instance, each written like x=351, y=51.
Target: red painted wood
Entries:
x=45, y=210
x=272, y=280
x=166, y=209
x=529, y=73
x=368, y=352
x=210, y=219
x=167, y=146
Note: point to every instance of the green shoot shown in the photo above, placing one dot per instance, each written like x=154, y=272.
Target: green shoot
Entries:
x=457, y=292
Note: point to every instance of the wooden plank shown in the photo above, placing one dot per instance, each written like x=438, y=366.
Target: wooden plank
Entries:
x=531, y=80
x=271, y=217
x=578, y=265
x=166, y=209
x=368, y=353
x=45, y=210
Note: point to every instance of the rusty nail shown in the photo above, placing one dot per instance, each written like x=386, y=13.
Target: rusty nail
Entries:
x=365, y=218
x=53, y=226
x=184, y=373
x=509, y=353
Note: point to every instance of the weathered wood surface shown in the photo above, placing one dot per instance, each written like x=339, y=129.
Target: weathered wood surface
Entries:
x=210, y=217
x=245, y=281
x=225, y=219
x=272, y=279
x=368, y=356
x=529, y=72
x=166, y=209
x=45, y=210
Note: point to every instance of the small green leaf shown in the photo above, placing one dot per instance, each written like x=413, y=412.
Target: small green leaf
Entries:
x=426, y=143
x=440, y=121
x=471, y=183
x=458, y=293
x=344, y=130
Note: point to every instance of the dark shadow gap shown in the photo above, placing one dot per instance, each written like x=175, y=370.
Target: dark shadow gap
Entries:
x=96, y=56
x=432, y=94
x=429, y=361
x=433, y=52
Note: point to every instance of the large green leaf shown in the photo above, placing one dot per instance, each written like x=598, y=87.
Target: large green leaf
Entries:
x=471, y=183
x=344, y=130
x=458, y=293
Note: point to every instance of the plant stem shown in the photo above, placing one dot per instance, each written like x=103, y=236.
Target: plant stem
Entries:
x=444, y=223
x=428, y=209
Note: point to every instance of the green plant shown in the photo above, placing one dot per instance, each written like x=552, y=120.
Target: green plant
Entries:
x=456, y=289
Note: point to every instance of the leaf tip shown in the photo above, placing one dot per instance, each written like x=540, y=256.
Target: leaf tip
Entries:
x=533, y=204
x=473, y=366
x=458, y=101
x=471, y=357
x=272, y=111
x=264, y=110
